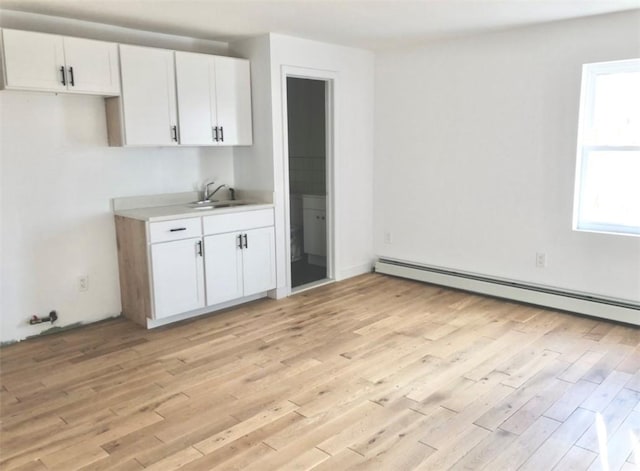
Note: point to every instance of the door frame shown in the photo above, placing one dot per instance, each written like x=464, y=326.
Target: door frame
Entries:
x=329, y=77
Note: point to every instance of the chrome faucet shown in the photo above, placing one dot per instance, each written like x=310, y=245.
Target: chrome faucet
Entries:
x=207, y=195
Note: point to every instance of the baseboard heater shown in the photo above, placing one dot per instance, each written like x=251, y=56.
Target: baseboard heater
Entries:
x=606, y=308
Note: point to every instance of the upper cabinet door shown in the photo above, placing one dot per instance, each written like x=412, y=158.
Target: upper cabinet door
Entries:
x=148, y=96
x=33, y=61
x=194, y=97
x=233, y=101
x=92, y=66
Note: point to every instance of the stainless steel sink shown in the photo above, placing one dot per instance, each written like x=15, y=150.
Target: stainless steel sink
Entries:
x=215, y=204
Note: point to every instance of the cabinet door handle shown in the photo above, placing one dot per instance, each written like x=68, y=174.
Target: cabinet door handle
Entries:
x=240, y=241
x=246, y=241
x=199, y=247
x=64, y=76
x=72, y=82
x=222, y=133
x=174, y=133
x=214, y=133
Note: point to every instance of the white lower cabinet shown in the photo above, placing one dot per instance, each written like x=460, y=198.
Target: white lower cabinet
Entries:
x=258, y=260
x=314, y=225
x=223, y=259
x=178, y=277
x=241, y=262
x=183, y=266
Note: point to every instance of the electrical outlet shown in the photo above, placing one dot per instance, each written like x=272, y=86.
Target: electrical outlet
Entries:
x=83, y=283
x=541, y=260
x=388, y=238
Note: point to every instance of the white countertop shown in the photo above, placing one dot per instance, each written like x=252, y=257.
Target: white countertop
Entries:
x=183, y=210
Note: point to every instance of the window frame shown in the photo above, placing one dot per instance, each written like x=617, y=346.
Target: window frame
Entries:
x=590, y=72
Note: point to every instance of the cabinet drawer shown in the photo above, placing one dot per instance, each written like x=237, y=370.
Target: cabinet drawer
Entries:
x=241, y=221
x=174, y=230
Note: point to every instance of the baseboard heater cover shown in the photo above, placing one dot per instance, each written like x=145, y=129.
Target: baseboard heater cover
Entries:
x=606, y=308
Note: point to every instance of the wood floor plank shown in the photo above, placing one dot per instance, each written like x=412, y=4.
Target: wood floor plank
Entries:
x=612, y=417
x=621, y=443
x=606, y=391
x=485, y=451
x=570, y=400
x=514, y=455
x=372, y=373
x=576, y=459
x=560, y=442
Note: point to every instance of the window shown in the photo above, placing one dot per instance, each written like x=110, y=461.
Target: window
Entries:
x=607, y=193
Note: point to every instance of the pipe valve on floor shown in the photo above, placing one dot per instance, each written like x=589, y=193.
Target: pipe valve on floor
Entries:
x=53, y=316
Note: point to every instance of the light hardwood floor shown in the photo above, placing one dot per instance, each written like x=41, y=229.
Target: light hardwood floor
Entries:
x=374, y=373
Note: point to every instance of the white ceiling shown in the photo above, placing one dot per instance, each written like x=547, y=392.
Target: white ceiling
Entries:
x=371, y=24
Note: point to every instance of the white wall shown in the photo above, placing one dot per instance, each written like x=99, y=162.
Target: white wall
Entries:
x=353, y=159
x=475, y=155
x=353, y=141
x=57, y=178
x=85, y=29
x=254, y=164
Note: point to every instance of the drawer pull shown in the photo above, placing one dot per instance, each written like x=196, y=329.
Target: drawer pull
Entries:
x=177, y=229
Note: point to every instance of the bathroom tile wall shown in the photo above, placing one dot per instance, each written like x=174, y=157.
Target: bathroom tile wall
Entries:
x=306, y=116
x=307, y=175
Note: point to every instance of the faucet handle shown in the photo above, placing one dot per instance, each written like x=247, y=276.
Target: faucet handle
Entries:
x=205, y=189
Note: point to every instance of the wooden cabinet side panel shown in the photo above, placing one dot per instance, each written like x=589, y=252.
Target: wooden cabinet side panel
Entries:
x=115, y=126
x=133, y=267
x=3, y=69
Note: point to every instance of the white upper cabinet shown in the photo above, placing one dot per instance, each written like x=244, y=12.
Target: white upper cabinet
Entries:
x=33, y=61
x=214, y=100
x=92, y=66
x=145, y=115
x=195, y=92
x=48, y=62
x=233, y=101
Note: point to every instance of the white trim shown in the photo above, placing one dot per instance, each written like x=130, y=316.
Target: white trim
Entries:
x=312, y=285
x=355, y=270
x=153, y=323
x=330, y=79
x=590, y=307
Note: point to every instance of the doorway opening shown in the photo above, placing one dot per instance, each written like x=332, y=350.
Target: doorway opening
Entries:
x=307, y=136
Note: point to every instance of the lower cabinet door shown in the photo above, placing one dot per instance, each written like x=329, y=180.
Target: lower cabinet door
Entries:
x=259, y=260
x=314, y=231
x=223, y=262
x=178, y=277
